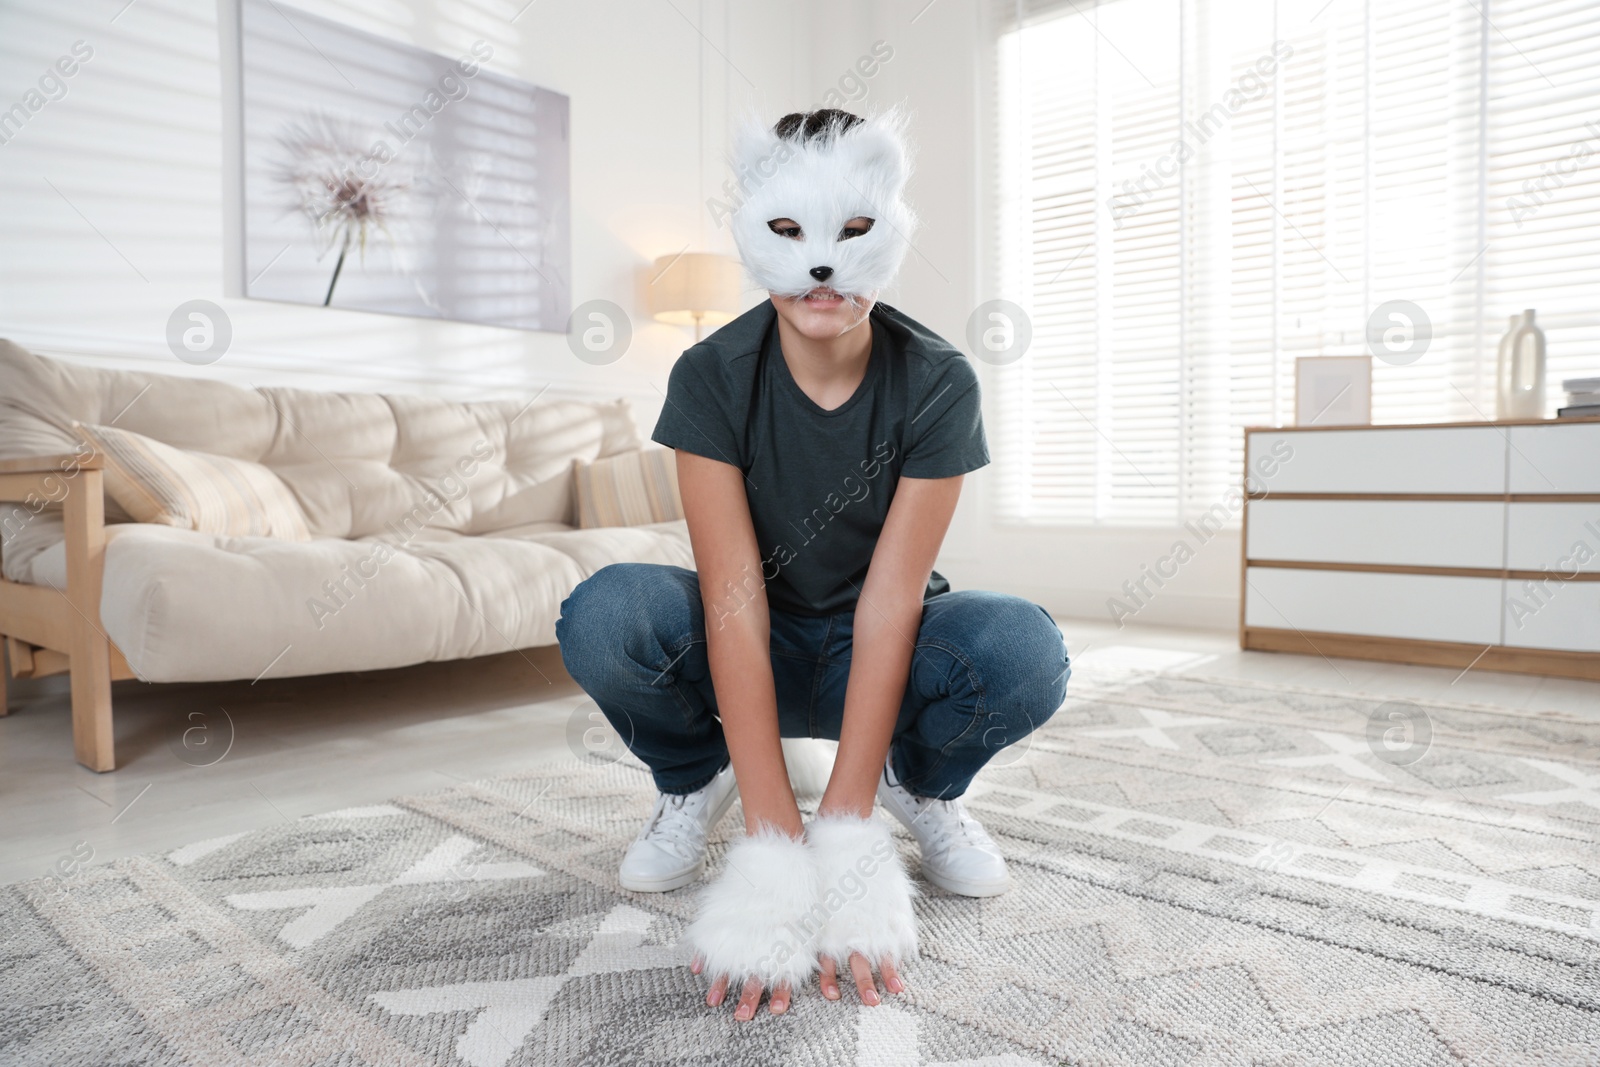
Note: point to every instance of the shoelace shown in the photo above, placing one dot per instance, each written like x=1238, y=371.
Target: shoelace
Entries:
x=674, y=826
x=948, y=823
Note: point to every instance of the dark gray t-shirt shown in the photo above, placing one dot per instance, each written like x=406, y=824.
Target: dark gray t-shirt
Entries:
x=820, y=482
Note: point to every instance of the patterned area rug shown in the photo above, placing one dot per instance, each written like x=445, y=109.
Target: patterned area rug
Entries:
x=1207, y=872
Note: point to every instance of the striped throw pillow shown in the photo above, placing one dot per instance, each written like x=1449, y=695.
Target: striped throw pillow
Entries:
x=157, y=483
x=628, y=489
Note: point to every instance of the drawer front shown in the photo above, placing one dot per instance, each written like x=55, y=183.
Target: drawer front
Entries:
x=1457, y=459
x=1558, y=458
x=1565, y=538
x=1558, y=615
x=1422, y=607
x=1417, y=533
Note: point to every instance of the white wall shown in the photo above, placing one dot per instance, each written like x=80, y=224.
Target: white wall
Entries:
x=135, y=149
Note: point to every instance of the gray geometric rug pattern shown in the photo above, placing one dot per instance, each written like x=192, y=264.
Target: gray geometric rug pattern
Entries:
x=1207, y=872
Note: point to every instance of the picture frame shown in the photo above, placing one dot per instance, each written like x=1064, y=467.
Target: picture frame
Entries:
x=1333, y=391
x=368, y=174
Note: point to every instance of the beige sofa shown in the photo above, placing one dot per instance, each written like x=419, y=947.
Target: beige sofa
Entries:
x=474, y=565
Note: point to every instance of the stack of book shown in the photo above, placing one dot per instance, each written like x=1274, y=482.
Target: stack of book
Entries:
x=1583, y=398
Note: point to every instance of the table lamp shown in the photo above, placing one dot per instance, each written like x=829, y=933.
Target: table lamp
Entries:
x=695, y=288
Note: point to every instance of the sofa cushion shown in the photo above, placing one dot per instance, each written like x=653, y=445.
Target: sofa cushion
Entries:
x=358, y=463
x=41, y=398
x=189, y=606
x=665, y=542
x=157, y=483
x=630, y=489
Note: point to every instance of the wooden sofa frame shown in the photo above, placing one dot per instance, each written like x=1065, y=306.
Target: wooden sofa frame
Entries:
x=46, y=631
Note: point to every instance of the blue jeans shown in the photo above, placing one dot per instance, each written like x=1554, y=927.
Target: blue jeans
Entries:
x=988, y=669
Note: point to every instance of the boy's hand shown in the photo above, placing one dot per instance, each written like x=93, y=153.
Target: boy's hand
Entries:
x=861, y=971
x=756, y=922
x=749, y=997
x=868, y=900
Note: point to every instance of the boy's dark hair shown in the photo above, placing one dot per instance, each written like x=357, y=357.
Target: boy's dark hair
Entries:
x=803, y=126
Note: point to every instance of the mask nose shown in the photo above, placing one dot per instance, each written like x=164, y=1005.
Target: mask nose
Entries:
x=821, y=274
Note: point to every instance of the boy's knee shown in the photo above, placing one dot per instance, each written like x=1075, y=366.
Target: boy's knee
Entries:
x=612, y=613
x=1025, y=663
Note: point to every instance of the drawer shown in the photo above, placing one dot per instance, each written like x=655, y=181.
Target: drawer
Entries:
x=1423, y=607
x=1418, y=533
x=1558, y=458
x=1562, y=537
x=1455, y=459
x=1558, y=615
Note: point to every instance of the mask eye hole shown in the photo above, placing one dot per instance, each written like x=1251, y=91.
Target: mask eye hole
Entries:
x=786, y=228
x=856, y=227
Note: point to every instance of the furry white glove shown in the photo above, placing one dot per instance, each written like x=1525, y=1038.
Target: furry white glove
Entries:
x=864, y=891
x=757, y=920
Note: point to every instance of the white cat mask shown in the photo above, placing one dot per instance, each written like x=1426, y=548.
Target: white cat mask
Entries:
x=822, y=183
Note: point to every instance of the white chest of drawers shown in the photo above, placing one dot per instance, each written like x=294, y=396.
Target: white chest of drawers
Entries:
x=1451, y=545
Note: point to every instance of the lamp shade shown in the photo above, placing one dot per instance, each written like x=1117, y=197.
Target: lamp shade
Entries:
x=694, y=289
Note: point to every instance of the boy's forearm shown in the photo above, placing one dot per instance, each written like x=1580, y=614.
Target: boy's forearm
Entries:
x=880, y=664
x=738, y=636
x=887, y=617
x=738, y=649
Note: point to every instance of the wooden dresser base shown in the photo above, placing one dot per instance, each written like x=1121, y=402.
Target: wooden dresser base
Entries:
x=1585, y=665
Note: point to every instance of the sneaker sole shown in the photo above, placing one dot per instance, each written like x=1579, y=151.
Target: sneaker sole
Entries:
x=662, y=885
x=682, y=878
x=967, y=889
x=957, y=886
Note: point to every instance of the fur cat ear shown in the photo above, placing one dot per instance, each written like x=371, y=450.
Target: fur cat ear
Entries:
x=880, y=145
x=755, y=149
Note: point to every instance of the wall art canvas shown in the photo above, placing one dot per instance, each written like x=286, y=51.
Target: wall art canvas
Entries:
x=381, y=177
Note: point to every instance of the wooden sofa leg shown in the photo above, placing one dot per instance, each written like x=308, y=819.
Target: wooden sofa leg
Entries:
x=92, y=739
x=84, y=519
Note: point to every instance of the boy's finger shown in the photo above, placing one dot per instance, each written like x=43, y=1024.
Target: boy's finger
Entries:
x=891, y=977
x=719, y=990
x=862, y=970
x=697, y=964
x=830, y=977
x=780, y=1000
x=748, y=1000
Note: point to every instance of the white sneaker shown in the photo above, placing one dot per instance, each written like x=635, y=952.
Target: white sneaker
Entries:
x=670, y=852
x=958, y=856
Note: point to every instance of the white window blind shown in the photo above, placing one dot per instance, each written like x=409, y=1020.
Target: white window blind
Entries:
x=1193, y=194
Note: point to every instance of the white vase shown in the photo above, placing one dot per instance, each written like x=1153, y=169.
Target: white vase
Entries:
x=1519, y=388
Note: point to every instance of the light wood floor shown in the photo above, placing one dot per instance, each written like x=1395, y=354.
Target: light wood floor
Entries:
x=307, y=745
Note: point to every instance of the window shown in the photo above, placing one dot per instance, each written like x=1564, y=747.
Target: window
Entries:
x=1192, y=194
